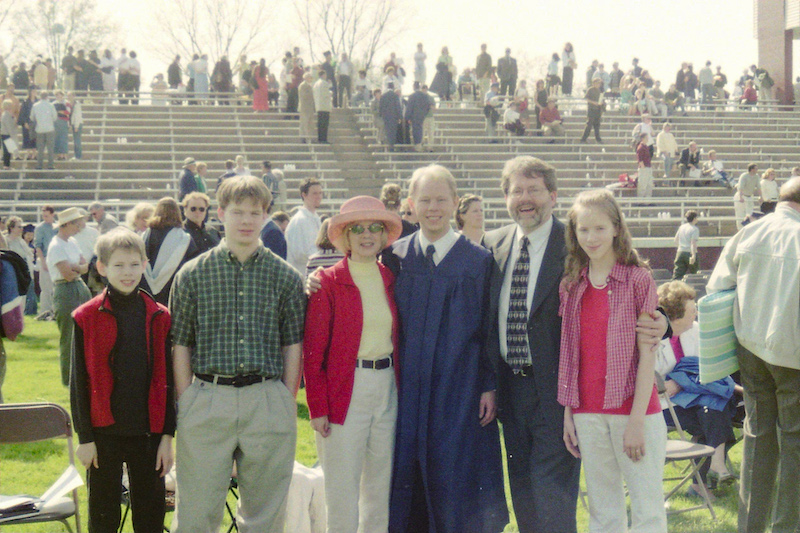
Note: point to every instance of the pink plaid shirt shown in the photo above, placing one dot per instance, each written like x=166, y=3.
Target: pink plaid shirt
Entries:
x=632, y=292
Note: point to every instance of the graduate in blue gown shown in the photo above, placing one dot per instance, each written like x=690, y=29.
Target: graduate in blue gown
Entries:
x=448, y=474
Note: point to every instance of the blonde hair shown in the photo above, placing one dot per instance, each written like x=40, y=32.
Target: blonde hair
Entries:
x=604, y=202
x=437, y=172
x=463, y=206
x=118, y=239
x=141, y=210
x=201, y=165
x=196, y=195
x=769, y=172
x=672, y=297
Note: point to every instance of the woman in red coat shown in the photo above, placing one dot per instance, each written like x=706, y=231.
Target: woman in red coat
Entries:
x=350, y=371
x=260, y=87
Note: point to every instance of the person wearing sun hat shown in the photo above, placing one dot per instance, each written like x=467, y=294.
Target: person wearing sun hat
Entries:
x=350, y=349
x=66, y=264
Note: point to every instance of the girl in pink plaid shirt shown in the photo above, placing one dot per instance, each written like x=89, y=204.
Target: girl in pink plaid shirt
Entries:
x=612, y=417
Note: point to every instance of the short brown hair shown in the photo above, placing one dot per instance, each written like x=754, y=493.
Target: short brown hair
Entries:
x=463, y=206
x=280, y=216
x=530, y=167
x=118, y=239
x=196, y=195
x=672, y=297
x=390, y=195
x=166, y=215
x=306, y=185
x=239, y=188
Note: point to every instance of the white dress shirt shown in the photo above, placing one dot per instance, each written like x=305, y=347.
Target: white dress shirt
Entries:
x=301, y=236
x=537, y=242
x=442, y=245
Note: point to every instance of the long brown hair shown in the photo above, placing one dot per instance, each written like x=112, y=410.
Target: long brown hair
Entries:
x=167, y=214
x=604, y=202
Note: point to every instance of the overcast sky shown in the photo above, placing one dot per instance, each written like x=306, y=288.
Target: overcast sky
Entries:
x=662, y=33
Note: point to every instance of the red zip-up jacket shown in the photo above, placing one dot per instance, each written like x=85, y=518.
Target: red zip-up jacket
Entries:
x=99, y=332
x=334, y=319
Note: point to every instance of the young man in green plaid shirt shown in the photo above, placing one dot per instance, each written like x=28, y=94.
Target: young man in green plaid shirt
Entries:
x=238, y=313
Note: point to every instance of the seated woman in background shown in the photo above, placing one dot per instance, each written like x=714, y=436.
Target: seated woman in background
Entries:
x=704, y=411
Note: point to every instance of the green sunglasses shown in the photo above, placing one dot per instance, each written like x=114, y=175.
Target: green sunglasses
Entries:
x=358, y=229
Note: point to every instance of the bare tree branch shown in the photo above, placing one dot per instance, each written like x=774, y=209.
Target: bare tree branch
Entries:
x=219, y=28
x=359, y=28
x=48, y=27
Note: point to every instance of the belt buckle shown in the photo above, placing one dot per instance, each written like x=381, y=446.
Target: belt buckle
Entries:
x=238, y=381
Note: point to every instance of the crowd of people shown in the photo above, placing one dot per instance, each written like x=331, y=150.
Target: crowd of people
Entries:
x=556, y=330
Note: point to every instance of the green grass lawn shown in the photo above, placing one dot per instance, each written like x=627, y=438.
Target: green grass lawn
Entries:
x=33, y=375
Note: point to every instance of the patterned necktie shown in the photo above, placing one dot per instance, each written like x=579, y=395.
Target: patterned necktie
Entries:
x=517, y=321
x=429, y=251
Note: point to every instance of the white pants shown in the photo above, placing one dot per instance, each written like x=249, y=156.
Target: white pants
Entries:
x=644, y=187
x=741, y=209
x=357, y=456
x=305, y=504
x=46, y=296
x=605, y=466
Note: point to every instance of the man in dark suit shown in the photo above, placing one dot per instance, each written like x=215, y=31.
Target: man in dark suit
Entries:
x=529, y=256
x=542, y=474
x=690, y=160
x=416, y=110
x=507, y=72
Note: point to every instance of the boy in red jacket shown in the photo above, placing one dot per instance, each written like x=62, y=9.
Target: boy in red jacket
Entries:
x=121, y=389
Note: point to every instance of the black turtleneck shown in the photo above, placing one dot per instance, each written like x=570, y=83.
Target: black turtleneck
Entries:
x=130, y=365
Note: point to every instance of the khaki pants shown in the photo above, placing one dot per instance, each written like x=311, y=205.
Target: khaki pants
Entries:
x=357, y=456
x=644, y=187
x=66, y=298
x=306, y=126
x=46, y=286
x=428, y=127
x=554, y=130
x=217, y=424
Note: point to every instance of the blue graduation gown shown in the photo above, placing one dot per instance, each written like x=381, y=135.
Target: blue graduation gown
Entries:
x=444, y=312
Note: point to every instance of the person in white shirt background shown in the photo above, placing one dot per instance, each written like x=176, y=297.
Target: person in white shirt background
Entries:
x=769, y=191
x=301, y=233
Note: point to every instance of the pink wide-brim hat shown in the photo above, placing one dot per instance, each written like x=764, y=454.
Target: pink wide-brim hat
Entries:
x=363, y=208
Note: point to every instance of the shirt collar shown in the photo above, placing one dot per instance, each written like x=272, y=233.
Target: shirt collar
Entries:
x=618, y=273
x=537, y=237
x=442, y=245
x=225, y=252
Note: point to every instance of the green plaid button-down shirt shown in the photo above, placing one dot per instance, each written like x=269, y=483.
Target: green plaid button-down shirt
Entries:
x=237, y=316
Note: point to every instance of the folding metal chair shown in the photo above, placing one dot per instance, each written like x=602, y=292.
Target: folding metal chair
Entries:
x=683, y=449
x=170, y=502
x=33, y=422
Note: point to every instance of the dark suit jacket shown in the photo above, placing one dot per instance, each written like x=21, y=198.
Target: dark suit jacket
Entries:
x=687, y=159
x=507, y=68
x=544, y=324
x=272, y=237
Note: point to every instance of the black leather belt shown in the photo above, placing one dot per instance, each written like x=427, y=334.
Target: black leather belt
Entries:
x=524, y=371
x=378, y=364
x=233, y=381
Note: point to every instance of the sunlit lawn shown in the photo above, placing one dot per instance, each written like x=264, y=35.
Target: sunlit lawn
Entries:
x=33, y=375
